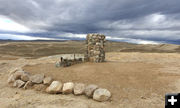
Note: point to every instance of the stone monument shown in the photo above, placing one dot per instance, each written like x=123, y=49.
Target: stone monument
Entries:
x=95, y=48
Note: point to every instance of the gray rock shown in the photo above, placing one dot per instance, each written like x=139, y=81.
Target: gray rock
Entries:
x=37, y=79
x=101, y=95
x=15, y=76
x=25, y=76
x=79, y=88
x=28, y=84
x=68, y=87
x=47, y=80
x=89, y=90
x=18, y=83
x=58, y=64
x=55, y=87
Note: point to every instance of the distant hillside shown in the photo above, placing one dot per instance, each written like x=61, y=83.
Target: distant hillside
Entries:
x=45, y=48
x=128, y=47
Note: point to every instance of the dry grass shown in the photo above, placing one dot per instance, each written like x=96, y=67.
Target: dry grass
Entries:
x=40, y=49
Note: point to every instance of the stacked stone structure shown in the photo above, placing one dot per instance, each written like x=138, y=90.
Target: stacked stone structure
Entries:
x=95, y=47
x=95, y=52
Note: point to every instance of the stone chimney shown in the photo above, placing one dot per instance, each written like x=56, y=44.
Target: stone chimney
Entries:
x=95, y=48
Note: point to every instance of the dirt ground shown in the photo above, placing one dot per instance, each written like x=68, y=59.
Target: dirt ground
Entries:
x=136, y=80
x=138, y=76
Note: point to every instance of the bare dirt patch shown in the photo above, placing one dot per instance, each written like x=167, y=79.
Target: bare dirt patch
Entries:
x=127, y=81
x=8, y=58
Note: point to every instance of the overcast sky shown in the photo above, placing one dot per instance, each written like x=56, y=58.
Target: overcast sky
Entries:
x=136, y=21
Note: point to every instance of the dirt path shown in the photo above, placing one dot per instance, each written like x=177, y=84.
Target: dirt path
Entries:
x=136, y=80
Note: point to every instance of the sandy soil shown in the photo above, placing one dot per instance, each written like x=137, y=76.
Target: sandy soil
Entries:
x=136, y=80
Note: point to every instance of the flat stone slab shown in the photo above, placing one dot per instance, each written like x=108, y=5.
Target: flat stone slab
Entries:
x=37, y=79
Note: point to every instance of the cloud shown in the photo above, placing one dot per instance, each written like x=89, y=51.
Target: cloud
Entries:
x=7, y=24
x=135, y=41
x=151, y=20
x=24, y=37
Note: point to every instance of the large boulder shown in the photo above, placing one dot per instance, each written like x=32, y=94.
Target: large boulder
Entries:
x=101, y=95
x=18, y=83
x=68, y=87
x=89, y=90
x=79, y=88
x=47, y=80
x=55, y=87
x=37, y=79
x=25, y=76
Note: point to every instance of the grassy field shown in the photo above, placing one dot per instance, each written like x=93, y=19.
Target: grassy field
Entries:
x=38, y=49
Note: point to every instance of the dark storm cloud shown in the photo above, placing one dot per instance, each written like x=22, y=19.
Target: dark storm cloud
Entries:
x=136, y=19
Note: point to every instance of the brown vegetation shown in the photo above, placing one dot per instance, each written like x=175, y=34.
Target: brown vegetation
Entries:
x=40, y=49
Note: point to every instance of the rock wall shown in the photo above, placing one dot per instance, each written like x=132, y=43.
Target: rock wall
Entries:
x=95, y=47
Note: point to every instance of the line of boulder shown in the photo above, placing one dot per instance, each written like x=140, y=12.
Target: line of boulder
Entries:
x=22, y=79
